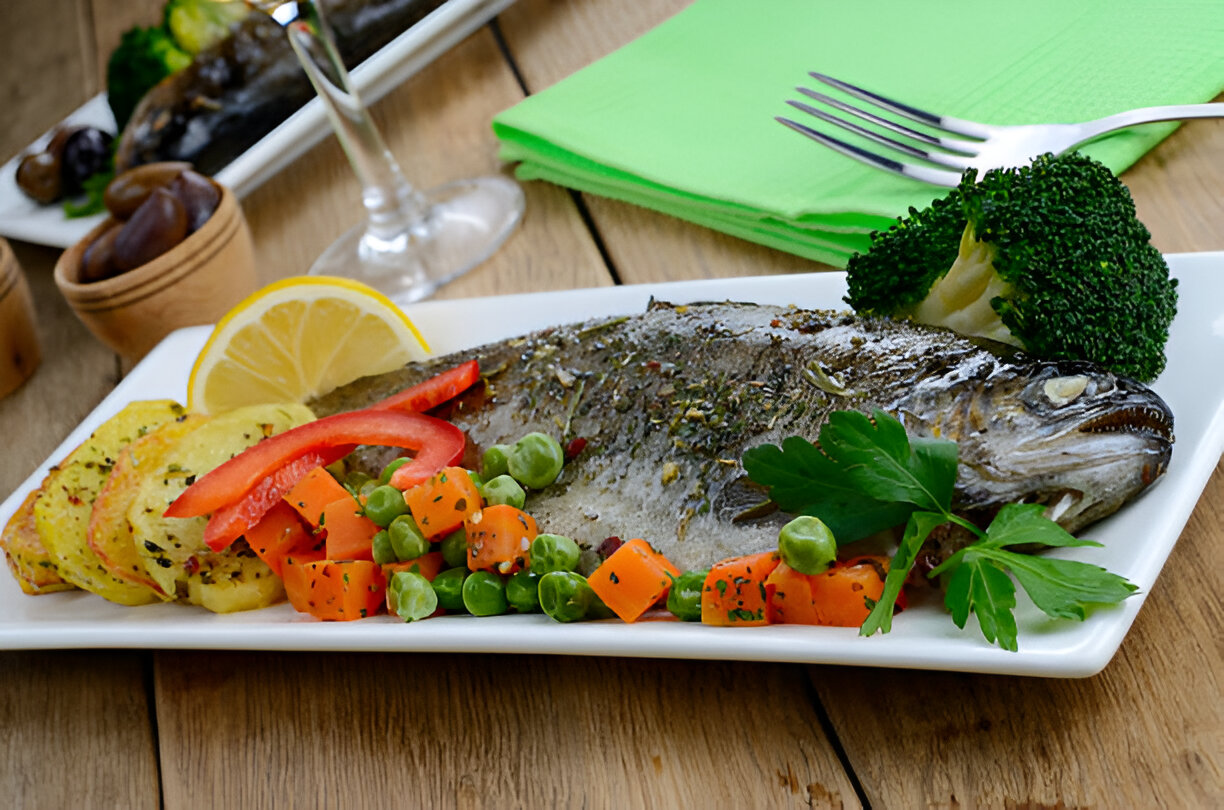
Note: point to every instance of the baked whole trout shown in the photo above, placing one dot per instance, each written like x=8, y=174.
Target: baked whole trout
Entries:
x=667, y=401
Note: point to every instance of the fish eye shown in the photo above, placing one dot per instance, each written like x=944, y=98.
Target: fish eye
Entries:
x=1063, y=390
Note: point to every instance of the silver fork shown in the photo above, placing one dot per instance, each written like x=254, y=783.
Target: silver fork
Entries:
x=960, y=144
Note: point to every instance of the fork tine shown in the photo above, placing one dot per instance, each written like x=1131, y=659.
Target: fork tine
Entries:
x=938, y=177
x=951, y=161
x=968, y=148
x=958, y=126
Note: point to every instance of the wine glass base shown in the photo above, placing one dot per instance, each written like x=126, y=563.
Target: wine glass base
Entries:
x=463, y=224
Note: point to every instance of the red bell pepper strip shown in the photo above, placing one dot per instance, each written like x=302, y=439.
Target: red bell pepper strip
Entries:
x=433, y=392
x=265, y=468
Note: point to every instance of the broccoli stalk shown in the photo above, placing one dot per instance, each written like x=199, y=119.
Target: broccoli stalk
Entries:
x=1048, y=257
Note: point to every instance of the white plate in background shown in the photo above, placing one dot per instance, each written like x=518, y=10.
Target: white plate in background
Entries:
x=23, y=218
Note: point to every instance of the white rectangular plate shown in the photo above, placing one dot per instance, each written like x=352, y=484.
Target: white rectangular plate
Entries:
x=22, y=218
x=1137, y=540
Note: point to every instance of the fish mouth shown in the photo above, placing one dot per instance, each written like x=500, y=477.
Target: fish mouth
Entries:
x=1143, y=420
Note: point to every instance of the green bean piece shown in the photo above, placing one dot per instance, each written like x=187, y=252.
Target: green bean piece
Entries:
x=536, y=460
x=484, y=594
x=384, y=477
x=412, y=597
x=684, y=598
x=807, y=545
x=454, y=549
x=523, y=591
x=504, y=489
x=496, y=461
x=384, y=552
x=565, y=596
x=553, y=552
x=406, y=538
x=448, y=585
x=384, y=505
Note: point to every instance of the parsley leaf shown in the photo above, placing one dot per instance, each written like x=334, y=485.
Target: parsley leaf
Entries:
x=867, y=475
x=979, y=586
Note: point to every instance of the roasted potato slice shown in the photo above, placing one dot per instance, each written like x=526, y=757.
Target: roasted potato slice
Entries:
x=62, y=511
x=110, y=534
x=27, y=557
x=233, y=580
x=172, y=549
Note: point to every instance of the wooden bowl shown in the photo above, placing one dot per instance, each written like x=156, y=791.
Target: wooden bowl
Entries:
x=19, y=349
x=195, y=282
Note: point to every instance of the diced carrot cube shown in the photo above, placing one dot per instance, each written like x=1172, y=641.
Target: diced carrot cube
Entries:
x=499, y=538
x=632, y=579
x=441, y=504
x=734, y=590
x=334, y=590
x=281, y=533
x=313, y=493
x=350, y=534
x=788, y=595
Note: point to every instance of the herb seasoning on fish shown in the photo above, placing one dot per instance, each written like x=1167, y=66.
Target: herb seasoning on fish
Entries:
x=668, y=400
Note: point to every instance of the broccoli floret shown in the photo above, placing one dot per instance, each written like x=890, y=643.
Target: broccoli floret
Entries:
x=1048, y=257
x=144, y=57
x=199, y=24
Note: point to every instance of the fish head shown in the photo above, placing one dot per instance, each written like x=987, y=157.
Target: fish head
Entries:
x=1066, y=434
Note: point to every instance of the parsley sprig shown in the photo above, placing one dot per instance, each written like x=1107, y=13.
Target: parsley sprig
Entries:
x=867, y=474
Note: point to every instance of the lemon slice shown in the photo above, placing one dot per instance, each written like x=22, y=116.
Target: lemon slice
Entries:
x=298, y=338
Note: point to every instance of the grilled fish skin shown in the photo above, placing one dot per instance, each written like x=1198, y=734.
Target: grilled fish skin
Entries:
x=668, y=400
x=239, y=90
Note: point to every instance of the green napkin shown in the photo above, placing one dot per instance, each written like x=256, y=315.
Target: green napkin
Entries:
x=681, y=120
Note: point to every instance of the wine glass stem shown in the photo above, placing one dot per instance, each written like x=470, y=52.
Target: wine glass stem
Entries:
x=391, y=201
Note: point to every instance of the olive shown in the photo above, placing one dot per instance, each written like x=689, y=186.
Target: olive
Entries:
x=198, y=196
x=159, y=224
x=98, y=263
x=126, y=192
x=87, y=151
x=38, y=176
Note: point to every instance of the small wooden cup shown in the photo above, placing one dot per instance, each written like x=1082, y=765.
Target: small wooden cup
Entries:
x=195, y=282
x=19, y=350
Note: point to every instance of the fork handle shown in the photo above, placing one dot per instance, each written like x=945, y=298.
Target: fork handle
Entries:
x=1148, y=115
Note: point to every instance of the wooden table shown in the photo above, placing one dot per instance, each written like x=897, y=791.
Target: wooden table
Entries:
x=183, y=729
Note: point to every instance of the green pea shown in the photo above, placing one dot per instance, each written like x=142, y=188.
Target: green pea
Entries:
x=476, y=479
x=388, y=471
x=367, y=488
x=523, y=591
x=504, y=489
x=354, y=481
x=553, y=552
x=384, y=552
x=598, y=610
x=807, y=545
x=448, y=585
x=454, y=549
x=484, y=594
x=384, y=505
x=684, y=598
x=536, y=460
x=496, y=461
x=406, y=538
x=412, y=597
x=565, y=596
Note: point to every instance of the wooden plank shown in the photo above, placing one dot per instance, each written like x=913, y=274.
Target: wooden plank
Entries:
x=489, y=731
x=1146, y=732
x=76, y=731
x=436, y=125
x=76, y=372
